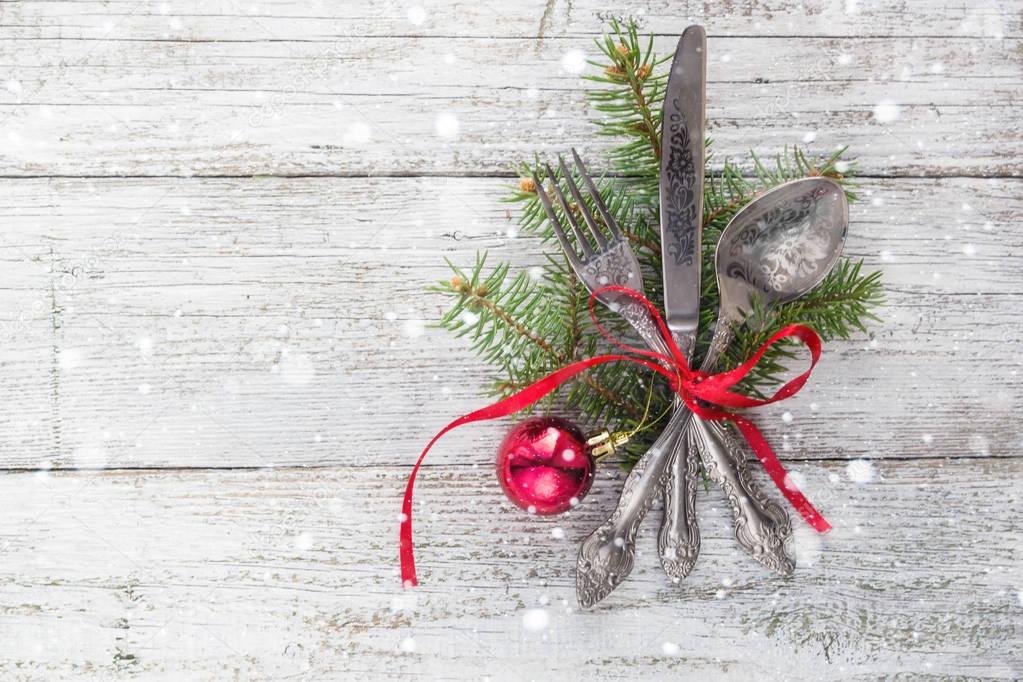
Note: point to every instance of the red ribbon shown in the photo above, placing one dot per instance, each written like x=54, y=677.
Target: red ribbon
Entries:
x=707, y=395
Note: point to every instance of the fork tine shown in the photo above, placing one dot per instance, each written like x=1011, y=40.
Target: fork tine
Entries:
x=580, y=236
x=583, y=208
x=601, y=206
x=566, y=245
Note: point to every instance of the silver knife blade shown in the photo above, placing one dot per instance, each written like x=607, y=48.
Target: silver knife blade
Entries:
x=681, y=184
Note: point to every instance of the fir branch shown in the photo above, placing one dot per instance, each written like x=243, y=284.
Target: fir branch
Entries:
x=527, y=326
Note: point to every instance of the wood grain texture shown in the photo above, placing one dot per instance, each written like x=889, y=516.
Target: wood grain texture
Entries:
x=292, y=575
x=256, y=341
x=283, y=322
x=257, y=97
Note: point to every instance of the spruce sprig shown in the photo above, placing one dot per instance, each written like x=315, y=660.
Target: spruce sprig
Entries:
x=528, y=324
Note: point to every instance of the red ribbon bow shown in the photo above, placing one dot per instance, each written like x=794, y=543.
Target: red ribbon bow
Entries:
x=707, y=395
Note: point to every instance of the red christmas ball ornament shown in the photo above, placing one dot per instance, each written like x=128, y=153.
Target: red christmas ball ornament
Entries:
x=544, y=465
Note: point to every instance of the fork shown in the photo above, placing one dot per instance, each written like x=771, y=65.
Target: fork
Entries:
x=607, y=555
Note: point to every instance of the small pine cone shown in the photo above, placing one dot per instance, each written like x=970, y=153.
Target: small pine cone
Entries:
x=456, y=282
x=642, y=72
x=614, y=72
x=527, y=185
x=482, y=290
x=623, y=49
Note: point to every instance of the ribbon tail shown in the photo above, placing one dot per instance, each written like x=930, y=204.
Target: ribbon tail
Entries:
x=778, y=474
x=501, y=408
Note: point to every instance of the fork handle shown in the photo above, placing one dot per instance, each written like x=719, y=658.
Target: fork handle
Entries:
x=607, y=555
x=645, y=325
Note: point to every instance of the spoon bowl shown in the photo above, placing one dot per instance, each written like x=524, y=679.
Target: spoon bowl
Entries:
x=781, y=245
x=776, y=249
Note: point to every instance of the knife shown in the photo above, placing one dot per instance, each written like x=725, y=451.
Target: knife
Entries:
x=607, y=556
x=681, y=203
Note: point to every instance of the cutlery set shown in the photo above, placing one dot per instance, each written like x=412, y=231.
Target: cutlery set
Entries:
x=774, y=250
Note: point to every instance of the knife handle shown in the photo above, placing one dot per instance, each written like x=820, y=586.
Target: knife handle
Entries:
x=678, y=542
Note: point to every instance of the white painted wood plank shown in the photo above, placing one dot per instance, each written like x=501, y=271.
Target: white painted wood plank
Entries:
x=266, y=322
x=206, y=20
x=281, y=575
x=339, y=106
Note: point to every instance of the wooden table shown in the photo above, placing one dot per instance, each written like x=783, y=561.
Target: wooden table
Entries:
x=218, y=220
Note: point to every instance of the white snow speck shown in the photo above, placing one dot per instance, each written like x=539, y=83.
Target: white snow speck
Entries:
x=970, y=250
x=536, y=273
x=446, y=125
x=303, y=542
x=416, y=16
x=13, y=86
x=406, y=601
x=787, y=417
x=670, y=649
x=809, y=137
x=413, y=328
x=886, y=111
x=357, y=135
x=145, y=389
x=927, y=438
x=574, y=61
x=558, y=533
x=469, y=318
x=860, y=471
x=535, y=620
x=408, y=645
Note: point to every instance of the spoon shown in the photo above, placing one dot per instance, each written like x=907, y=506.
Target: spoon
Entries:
x=778, y=247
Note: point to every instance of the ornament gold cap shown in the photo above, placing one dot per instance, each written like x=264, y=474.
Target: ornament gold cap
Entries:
x=604, y=443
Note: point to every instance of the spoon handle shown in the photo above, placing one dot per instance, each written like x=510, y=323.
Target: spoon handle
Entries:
x=761, y=525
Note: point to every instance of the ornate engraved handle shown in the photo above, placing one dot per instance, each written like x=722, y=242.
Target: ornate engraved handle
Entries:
x=678, y=542
x=607, y=555
x=761, y=525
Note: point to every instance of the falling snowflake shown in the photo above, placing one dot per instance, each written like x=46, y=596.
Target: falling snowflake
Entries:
x=357, y=135
x=535, y=620
x=574, y=61
x=416, y=15
x=413, y=328
x=446, y=125
x=886, y=111
x=860, y=471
